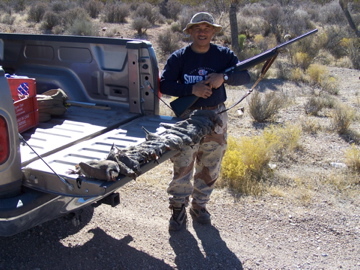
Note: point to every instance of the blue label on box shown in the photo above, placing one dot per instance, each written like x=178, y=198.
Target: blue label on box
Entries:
x=23, y=90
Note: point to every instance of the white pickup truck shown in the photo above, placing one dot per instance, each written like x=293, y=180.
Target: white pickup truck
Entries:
x=110, y=85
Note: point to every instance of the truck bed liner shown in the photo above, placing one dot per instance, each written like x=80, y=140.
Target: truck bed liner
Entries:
x=40, y=176
x=77, y=124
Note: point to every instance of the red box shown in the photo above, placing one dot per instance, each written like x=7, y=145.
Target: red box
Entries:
x=27, y=84
x=25, y=105
x=27, y=121
x=23, y=92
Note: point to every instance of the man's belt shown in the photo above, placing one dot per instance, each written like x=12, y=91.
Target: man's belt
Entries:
x=207, y=108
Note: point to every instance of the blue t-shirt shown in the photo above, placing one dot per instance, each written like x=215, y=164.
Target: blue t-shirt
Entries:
x=186, y=67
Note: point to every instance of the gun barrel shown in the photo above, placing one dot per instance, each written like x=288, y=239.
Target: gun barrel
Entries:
x=297, y=38
x=257, y=59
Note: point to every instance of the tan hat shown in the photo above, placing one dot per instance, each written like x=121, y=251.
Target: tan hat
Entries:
x=202, y=17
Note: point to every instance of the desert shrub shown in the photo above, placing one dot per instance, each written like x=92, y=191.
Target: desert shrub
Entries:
x=330, y=85
x=263, y=43
x=352, y=156
x=315, y=104
x=76, y=14
x=244, y=164
x=241, y=41
x=176, y=27
x=58, y=30
x=60, y=6
x=19, y=5
x=274, y=16
x=148, y=11
x=334, y=37
x=353, y=49
x=170, y=9
x=331, y=13
x=168, y=42
x=94, y=8
x=116, y=13
x=252, y=10
x=140, y=24
x=319, y=75
x=37, y=12
x=316, y=73
x=265, y=108
x=297, y=75
x=246, y=161
x=282, y=140
x=342, y=118
x=299, y=22
x=50, y=20
x=302, y=60
x=82, y=27
x=310, y=125
x=8, y=19
x=283, y=70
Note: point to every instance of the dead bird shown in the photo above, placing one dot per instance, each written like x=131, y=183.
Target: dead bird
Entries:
x=149, y=136
x=131, y=163
x=185, y=138
x=173, y=142
x=207, y=114
x=107, y=170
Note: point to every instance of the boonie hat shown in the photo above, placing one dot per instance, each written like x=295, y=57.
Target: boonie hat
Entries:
x=202, y=17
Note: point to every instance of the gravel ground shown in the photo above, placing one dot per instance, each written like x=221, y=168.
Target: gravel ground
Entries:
x=250, y=233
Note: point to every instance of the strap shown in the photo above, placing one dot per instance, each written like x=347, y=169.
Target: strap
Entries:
x=264, y=69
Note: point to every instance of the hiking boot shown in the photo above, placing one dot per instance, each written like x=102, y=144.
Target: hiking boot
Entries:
x=178, y=218
x=200, y=215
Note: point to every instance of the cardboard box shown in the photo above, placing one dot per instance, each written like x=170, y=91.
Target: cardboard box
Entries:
x=22, y=87
x=23, y=92
x=27, y=121
x=26, y=105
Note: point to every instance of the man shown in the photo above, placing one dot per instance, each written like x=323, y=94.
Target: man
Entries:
x=197, y=69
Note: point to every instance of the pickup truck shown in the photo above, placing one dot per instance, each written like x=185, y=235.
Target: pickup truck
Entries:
x=111, y=85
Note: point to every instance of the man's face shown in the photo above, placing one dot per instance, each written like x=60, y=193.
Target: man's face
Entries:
x=202, y=33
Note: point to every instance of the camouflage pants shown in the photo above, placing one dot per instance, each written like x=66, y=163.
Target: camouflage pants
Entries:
x=205, y=157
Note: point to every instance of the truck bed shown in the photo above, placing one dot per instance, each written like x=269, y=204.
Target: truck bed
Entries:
x=83, y=134
x=77, y=124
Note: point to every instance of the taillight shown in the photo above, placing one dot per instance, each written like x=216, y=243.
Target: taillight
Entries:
x=4, y=141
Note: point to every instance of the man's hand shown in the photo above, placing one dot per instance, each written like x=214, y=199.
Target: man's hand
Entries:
x=215, y=80
x=203, y=89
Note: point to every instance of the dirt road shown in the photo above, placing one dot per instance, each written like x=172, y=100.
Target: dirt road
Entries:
x=249, y=233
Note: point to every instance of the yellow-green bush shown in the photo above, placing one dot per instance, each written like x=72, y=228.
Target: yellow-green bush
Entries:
x=282, y=140
x=330, y=85
x=353, y=158
x=297, y=75
x=245, y=163
x=342, y=117
x=319, y=75
x=316, y=73
x=302, y=59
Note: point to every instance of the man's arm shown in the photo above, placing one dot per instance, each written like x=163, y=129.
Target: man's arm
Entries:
x=238, y=77
x=169, y=81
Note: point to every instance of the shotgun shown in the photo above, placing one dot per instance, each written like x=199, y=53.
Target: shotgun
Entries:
x=181, y=104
